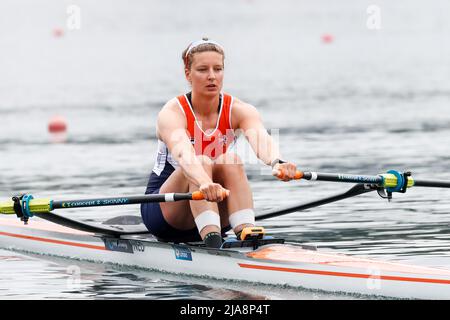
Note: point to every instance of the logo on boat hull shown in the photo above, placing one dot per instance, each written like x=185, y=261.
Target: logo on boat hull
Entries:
x=119, y=245
x=182, y=253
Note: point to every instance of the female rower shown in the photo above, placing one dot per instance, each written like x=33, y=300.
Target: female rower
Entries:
x=194, y=132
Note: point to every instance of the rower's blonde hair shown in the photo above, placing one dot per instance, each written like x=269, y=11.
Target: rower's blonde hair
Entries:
x=187, y=60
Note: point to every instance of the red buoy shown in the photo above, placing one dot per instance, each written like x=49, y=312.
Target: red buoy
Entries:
x=57, y=124
x=58, y=32
x=327, y=38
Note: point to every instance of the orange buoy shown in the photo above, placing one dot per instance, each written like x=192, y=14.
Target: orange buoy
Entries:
x=57, y=124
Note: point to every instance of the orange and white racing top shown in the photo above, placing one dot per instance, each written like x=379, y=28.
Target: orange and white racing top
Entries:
x=211, y=143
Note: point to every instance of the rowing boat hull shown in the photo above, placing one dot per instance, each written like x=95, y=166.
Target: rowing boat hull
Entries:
x=275, y=264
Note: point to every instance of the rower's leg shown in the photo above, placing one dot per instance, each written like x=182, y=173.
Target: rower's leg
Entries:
x=181, y=214
x=177, y=214
x=203, y=210
x=229, y=171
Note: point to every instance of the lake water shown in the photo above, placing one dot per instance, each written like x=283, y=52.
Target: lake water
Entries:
x=370, y=101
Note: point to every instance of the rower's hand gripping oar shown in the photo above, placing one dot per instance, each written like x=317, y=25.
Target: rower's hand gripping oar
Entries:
x=386, y=183
x=25, y=205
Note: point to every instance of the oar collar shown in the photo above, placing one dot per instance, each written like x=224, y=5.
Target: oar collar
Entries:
x=22, y=207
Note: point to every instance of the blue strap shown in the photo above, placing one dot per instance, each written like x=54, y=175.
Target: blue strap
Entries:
x=400, y=181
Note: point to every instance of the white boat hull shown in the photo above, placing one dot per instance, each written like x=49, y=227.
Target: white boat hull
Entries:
x=275, y=264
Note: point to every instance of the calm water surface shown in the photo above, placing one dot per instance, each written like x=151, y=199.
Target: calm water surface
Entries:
x=368, y=102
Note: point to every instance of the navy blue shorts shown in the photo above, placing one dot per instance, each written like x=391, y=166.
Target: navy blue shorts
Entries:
x=156, y=224
x=153, y=217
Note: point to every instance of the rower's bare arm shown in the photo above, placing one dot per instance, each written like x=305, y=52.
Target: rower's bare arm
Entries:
x=171, y=128
x=249, y=121
x=266, y=149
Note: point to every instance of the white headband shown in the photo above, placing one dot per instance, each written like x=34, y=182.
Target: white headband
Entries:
x=199, y=42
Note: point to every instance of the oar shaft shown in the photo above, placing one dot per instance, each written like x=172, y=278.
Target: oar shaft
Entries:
x=352, y=192
x=432, y=183
x=47, y=205
x=382, y=180
x=117, y=201
x=388, y=180
x=337, y=177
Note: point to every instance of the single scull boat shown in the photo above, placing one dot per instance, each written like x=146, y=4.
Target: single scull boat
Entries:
x=261, y=260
